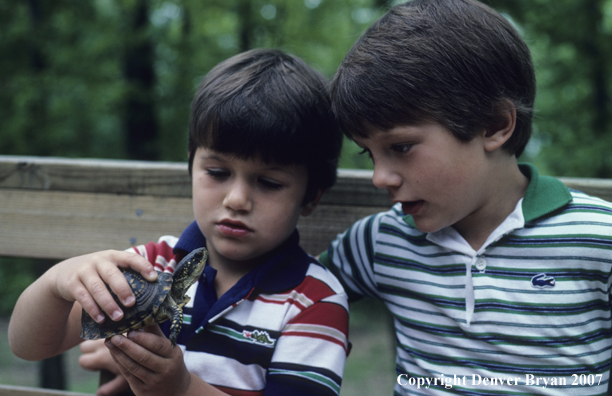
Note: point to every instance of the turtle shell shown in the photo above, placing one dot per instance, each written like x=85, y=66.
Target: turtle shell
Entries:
x=149, y=297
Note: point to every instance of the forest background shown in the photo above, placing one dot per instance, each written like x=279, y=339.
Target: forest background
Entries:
x=114, y=78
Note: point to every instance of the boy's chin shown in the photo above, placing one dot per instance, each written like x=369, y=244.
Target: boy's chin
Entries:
x=426, y=225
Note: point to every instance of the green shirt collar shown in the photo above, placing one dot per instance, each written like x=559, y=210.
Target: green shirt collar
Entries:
x=544, y=195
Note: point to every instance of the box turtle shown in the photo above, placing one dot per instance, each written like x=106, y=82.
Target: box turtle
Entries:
x=155, y=301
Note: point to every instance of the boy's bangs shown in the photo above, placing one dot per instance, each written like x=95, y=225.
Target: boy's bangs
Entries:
x=362, y=111
x=251, y=132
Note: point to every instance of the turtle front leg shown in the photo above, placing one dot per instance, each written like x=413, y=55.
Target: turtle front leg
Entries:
x=177, y=321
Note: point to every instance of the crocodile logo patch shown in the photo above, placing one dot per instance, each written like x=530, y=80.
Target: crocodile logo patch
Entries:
x=258, y=337
x=542, y=280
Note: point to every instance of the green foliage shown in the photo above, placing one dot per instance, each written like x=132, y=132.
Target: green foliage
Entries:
x=353, y=157
x=53, y=101
x=66, y=90
x=569, y=40
x=15, y=275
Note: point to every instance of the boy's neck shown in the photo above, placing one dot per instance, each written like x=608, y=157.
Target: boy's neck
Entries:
x=225, y=280
x=229, y=272
x=507, y=185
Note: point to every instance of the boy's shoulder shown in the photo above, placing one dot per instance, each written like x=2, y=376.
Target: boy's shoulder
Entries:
x=320, y=281
x=588, y=207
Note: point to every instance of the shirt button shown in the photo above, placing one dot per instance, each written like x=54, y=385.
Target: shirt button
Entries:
x=481, y=263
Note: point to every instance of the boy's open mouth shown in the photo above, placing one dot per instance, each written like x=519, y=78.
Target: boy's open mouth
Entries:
x=412, y=207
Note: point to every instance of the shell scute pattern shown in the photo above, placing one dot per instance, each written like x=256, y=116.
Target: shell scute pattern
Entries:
x=155, y=301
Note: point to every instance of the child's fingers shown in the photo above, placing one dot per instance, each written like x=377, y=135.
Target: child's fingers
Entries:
x=108, y=273
x=95, y=356
x=136, y=262
x=149, y=362
x=122, y=361
x=87, y=302
x=96, y=287
x=85, y=278
x=114, y=278
x=92, y=346
x=132, y=359
x=152, y=339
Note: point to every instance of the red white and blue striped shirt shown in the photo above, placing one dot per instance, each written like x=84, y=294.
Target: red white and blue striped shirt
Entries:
x=281, y=330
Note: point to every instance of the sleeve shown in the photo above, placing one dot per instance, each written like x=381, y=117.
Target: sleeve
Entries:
x=350, y=257
x=159, y=253
x=311, y=351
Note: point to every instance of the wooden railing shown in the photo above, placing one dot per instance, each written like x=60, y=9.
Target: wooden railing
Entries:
x=56, y=208
x=59, y=208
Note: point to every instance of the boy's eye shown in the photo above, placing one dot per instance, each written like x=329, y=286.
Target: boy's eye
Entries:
x=401, y=148
x=270, y=184
x=217, y=173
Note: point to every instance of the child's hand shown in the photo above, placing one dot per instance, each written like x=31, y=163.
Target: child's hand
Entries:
x=51, y=300
x=83, y=279
x=150, y=363
x=96, y=357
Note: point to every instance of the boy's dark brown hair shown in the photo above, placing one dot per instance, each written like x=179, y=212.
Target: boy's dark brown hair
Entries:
x=271, y=106
x=455, y=62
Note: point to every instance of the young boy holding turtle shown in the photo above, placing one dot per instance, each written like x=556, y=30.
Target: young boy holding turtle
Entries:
x=490, y=271
x=265, y=318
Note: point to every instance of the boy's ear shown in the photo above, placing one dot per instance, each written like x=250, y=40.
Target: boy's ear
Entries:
x=496, y=135
x=310, y=206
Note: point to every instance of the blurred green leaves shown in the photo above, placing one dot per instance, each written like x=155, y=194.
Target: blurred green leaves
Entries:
x=64, y=65
x=65, y=89
x=570, y=42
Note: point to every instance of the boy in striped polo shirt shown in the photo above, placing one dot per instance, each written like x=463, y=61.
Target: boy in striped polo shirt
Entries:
x=265, y=318
x=498, y=279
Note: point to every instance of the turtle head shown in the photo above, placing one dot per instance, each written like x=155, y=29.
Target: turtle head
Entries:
x=189, y=270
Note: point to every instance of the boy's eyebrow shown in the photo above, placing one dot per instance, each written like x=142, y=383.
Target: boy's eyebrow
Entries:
x=279, y=169
x=273, y=167
x=213, y=156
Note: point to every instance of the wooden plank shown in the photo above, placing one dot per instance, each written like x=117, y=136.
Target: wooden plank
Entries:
x=166, y=179
x=354, y=187
x=7, y=390
x=95, y=176
x=58, y=225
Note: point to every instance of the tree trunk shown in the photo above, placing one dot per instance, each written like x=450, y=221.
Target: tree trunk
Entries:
x=140, y=123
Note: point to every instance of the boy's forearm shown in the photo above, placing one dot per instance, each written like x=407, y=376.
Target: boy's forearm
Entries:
x=41, y=324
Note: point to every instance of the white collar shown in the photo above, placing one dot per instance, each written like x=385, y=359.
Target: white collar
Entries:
x=451, y=239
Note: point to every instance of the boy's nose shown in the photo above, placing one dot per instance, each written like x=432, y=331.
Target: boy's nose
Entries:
x=385, y=177
x=238, y=197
